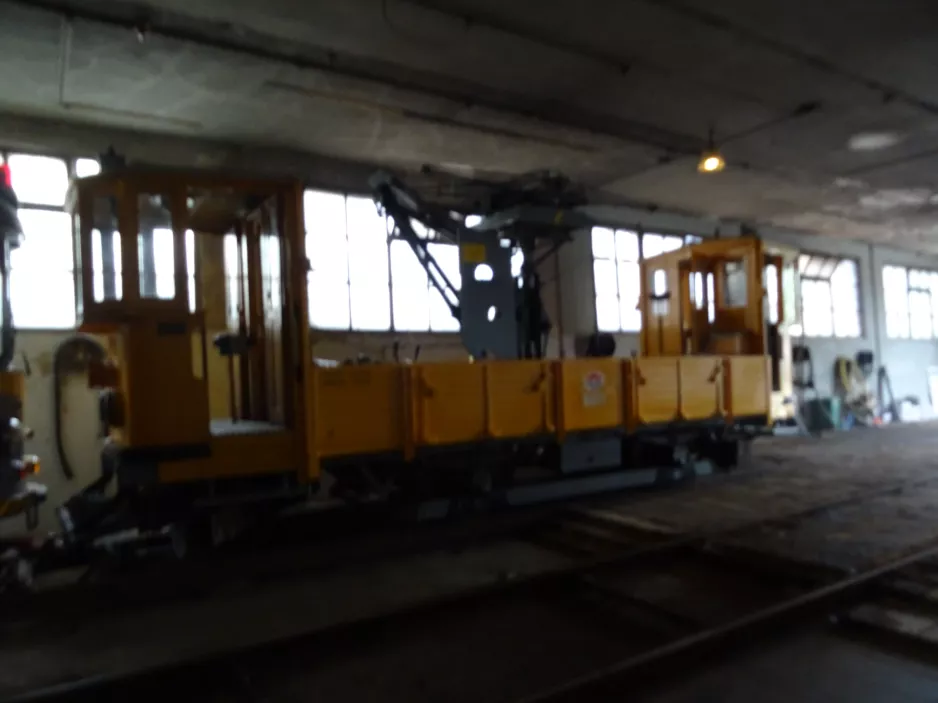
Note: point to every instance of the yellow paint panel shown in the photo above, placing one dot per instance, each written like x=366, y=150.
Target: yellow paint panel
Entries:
x=701, y=380
x=656, y=389
x=520, y=398
x=748, y=385
x=471, y=253
x=450, y=403
x=236, y=455
x=591, y=394
x=359, y=409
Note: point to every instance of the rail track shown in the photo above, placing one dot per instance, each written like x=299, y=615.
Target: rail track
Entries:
x=637, y=602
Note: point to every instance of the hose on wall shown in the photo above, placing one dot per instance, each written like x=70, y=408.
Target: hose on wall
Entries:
x=71, y=356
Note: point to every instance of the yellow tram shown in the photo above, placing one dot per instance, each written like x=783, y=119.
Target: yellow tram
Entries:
x=210, y=401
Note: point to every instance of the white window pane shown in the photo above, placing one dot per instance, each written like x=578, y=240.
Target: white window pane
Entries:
x=604, y=278
x=441, y=317
x=165, y=287
x=630, y=284
x=371, y=305
x=626, y=245
x=326, y=244
x=410, y=295
x=46, y=302
x=324, y=214
x=895, y=298
x=411, y=308
x=419, y=229
x=847, y=324
x=368, y=250
x=99, y=272
x=697, y=289
x=933, y=287
x=447, y=257
x=97, y=285
x=232, y=300
x=630, y=318
x=894, y=278
x=897, y=324
x=365, y=225
x=652, y=245
x=328, y=302
x=659, y=282
x=47, y=238
x=604, y=243
x=920, y=314
x=41, y=280
x=607, y=313
x=164, y=264
x=517, y=261
x=818, y=319
x=87, y=167
x=190, y=268
x=711, y=299
x=329, y=256
x=405, y=269
x=368, y=265
x=230, y=254
x=671, y=243
x=190, y=251
x=846, y=299
x=846, y=272
x=919, y=279
x=771, y=293
x=39, y=180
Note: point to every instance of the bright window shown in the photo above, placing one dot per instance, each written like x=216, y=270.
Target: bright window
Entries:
x=362, y=279
x=616, y=276
x=87, y=167
x=911, y=300
x=830, y=296
x=39, y=180
x=42, y=279
x=417, y=305
x=654, y=244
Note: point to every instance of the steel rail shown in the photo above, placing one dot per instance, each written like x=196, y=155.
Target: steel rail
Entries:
x=609, y=680
x=91, y=688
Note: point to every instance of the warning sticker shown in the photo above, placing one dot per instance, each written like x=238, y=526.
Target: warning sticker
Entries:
x=594, y=389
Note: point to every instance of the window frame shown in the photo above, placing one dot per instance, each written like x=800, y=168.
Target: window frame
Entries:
x=818, y=280
x=620, y=262
x=436, y=325
x=25, y=206
x=912, y=289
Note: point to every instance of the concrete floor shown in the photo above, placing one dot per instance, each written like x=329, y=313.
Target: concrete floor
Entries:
x=793, y=476
x=789, y=476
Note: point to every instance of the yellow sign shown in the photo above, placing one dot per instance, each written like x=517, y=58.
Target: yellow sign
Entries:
x=472, y=253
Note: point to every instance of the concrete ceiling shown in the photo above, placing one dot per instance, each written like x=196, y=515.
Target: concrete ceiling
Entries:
x=619, y=94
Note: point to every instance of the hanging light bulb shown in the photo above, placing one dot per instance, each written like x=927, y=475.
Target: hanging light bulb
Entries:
x=711, y=161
